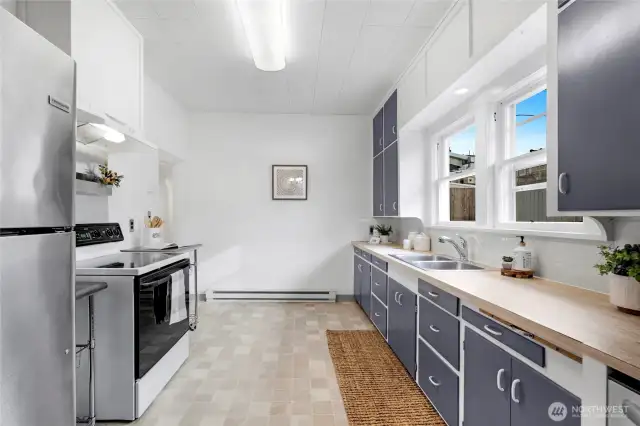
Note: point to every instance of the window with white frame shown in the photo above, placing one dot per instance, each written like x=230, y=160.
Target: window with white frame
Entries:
x=456, y=178
x=522, y=158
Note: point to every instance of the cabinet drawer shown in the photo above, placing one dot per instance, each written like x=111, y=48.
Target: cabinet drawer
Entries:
x=379, y=284
x=441, y=330
x=379, y=316
x=439, y=383
x=441, y=298
x=366, y=255
x=518, y=343
x=357, y=251
x=379, y=263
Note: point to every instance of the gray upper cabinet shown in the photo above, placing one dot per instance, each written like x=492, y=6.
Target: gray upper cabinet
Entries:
x=532, y=395
x=391, y=119
x=598, y=104
x=401, y=329
x=378, y=135
x=378, y=185
x=391, y=180
x=487, y=373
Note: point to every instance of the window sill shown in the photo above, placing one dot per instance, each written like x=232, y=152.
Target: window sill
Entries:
x=473, y=228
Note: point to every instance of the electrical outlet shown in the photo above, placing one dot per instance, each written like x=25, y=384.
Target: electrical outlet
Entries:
x=132, y=226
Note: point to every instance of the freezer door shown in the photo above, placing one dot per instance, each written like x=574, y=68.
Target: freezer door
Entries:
x=37, y=364
x=37, y=129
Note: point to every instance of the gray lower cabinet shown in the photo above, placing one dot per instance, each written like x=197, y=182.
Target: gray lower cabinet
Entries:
x=365, y=288
x=532, y=395
x=357, y=277
x=391, y=180
x=487, y=378
x=440, y=384
x=500, y=390
x=441, y=330
x=401, y=331
x=379, y=316
x=378, y=185
x=598, y=105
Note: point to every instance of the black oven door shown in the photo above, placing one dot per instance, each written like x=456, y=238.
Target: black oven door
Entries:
x=157, y=328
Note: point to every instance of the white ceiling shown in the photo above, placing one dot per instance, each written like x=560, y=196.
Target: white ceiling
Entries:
x=344, y=55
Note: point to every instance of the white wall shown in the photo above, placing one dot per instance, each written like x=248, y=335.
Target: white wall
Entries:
x=223, y=200
x=165, y=120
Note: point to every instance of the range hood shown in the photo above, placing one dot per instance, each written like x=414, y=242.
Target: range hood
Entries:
x=89, y=127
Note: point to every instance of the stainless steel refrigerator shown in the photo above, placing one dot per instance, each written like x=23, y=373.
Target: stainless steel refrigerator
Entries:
x=37, y=259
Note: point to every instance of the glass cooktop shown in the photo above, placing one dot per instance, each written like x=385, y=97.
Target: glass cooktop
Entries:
x=126, y=263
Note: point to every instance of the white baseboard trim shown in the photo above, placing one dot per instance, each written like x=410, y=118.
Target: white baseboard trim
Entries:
x=302, y=296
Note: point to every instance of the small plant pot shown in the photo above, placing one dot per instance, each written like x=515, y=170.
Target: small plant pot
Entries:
x=506, y=266
x=624, y=292
x=384, y=239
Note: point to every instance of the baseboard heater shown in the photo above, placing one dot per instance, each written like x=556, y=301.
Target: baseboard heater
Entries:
x=293, y=296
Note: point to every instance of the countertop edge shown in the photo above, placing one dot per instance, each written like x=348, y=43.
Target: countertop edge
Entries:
x=553, y=336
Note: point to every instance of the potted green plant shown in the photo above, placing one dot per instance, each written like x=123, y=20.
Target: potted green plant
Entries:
x=109, y=177
x=623, y=267
x=384, y=231
x=507, y=261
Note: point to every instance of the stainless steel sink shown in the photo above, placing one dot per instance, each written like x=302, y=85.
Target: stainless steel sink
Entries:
x=409, y=258
x=450, y=265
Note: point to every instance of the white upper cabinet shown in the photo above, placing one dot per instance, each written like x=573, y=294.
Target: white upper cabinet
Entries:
x=412, y=91
x=449, y=55
x=108, y=51
x=493, y=20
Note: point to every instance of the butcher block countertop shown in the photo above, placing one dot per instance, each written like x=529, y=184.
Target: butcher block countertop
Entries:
x=578, y=320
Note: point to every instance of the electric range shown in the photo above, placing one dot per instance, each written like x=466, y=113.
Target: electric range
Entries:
x=141, y=321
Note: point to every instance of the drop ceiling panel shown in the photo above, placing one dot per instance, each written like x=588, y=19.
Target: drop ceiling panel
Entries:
x=389, y=12
x=343, y=58
x=137, y=8
x=427, y=13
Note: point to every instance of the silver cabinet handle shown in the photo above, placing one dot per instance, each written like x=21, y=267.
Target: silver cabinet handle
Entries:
x=400, y=299
x=376, y=283
x=376, y=314
x=396, y=297
x=393, y=129
x=360, y=268
x=562, y=179
x=380, y=142
x=499, y=380
x=433, y=381
x=432, y=294
x=395, y=206
x=492, y=331
x=434, y=329
x=514, y=385
x=380, y=208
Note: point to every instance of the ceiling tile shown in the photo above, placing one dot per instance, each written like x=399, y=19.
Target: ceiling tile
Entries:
x=137, y=8
x=427, y=13
x=389, y=12
x=336, y=62
x=175, y=9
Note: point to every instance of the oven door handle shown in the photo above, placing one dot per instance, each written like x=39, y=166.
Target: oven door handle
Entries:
x=155, y=283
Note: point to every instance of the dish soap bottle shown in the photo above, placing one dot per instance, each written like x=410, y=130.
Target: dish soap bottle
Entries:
x=522, y=257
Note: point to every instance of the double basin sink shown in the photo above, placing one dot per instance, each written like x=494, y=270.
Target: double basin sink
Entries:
x=436, y=262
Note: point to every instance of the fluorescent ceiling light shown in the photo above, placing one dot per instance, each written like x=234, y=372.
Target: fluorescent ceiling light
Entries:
x=461, y=91
x=110, y=134
x=264, y=26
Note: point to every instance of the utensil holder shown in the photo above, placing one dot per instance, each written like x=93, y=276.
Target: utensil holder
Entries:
x=152, y=237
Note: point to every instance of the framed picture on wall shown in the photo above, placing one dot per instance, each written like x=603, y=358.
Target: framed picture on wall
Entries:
x=289, y=182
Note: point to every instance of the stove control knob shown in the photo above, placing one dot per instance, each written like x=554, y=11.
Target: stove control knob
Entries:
x=109, y=233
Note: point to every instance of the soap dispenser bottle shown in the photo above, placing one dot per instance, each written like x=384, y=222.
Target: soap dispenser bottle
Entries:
x=522, y=257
